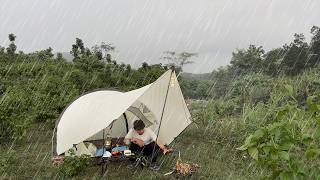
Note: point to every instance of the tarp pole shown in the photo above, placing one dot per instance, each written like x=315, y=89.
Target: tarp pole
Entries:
x=126, y=121
x=164, y=105
x=103, y=144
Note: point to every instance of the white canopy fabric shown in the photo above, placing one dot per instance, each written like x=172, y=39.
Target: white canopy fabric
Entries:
x=105, y=111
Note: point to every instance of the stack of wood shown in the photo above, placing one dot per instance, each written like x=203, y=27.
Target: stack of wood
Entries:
x=186, y=168
x=57, y=160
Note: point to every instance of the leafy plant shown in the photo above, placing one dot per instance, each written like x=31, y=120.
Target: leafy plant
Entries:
x=73, y=165
x=293, y=133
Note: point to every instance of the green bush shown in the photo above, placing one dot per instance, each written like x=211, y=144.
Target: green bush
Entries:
x=36, y=91
x=73, y=165
x=288, y=144
x=214, y=110
x=205, y=116
x=252, y=88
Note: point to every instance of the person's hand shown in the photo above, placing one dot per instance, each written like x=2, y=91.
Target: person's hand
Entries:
x=166, y=150
x=137, y=141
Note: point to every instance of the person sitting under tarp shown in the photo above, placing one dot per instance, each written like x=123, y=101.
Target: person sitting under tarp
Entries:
x=142, y=139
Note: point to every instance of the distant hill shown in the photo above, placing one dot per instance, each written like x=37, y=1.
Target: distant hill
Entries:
x=191, y=76
x=67, y=56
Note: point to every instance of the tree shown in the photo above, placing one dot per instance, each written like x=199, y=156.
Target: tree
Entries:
x=12, y=37
x=80, y=45
x=2, y=50
x=107, y=48
x=178, y=60
x=247, y=60
x=43, y=55
x=221, y=81
x=75, y=52
x=87, y=52
x=11, y=49
x=122, y=66
x=314, y=54
x=272, y=61
x=145, y=65
x=128, y=68
x=59, y=56
x=49, y=52
x=99, y=55
x=295, y=58
x=103, y=51
x=78, y=49
x=108, y=58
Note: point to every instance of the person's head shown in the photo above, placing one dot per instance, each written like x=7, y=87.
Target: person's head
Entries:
x=138, y=126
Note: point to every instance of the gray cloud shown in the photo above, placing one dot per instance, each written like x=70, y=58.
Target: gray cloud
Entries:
x=142, y=29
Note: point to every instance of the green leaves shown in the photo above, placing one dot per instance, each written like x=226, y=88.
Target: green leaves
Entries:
x=73, y=165
x=259, y=134
x=286, y=145
x=35, y=91
x=246, y=144
x=292, y=131
x=254, y=153
x=281, y=112
x=312, y=106
x=284, y=155
x=252, y=139
x=311, y=153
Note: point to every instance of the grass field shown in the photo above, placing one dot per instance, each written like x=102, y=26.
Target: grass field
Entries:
x=212, y=147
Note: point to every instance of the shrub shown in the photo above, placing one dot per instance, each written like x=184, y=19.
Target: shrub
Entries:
x=213, y=110
x=252, y=88
x=288, y=145
x=73, y=165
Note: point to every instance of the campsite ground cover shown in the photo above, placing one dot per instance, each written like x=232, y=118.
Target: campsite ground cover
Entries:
x=209, y=144
x=210, y=141
x=212, y=147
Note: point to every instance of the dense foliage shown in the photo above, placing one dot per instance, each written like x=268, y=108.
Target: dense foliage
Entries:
x=36, y=87
x=289, y=143
x=73, y=165
x=265, y=103
x=290, y=60
x=275, y=95
x=273, y=119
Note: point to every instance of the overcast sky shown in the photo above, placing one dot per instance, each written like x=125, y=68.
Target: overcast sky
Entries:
x=142, y=29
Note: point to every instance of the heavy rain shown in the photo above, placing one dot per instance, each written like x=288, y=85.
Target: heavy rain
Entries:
x=128, y=89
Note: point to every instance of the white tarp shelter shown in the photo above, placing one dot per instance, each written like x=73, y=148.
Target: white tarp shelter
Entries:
x=111, y=113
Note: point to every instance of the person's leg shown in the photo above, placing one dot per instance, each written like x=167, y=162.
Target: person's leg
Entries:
x=151, y=150
x=135, y=161
x=135, y=148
